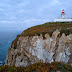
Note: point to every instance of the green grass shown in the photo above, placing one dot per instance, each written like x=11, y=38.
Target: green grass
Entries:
x=39, y=67
x=48, y=28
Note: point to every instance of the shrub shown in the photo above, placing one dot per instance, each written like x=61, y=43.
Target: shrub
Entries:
x=39, y=67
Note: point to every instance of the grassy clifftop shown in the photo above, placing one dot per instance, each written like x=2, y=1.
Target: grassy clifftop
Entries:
x=64, y=27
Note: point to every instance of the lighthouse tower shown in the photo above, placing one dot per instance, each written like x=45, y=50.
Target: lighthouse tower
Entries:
x=63, y=19
x=63, y=14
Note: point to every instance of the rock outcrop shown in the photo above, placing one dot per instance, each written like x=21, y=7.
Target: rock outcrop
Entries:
x=29, y=50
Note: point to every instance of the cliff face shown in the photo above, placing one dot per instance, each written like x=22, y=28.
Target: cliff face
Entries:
x=29, y=50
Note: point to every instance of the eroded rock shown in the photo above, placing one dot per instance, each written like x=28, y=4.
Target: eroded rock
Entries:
x=30, y=50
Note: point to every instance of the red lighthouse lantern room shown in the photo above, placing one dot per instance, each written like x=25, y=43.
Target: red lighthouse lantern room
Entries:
x=62, y=11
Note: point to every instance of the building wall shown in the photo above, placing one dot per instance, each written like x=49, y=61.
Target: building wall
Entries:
x=62, y=20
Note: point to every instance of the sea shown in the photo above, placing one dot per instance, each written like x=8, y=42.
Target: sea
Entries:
x=6, y=39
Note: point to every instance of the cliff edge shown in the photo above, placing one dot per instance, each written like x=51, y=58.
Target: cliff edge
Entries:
x=27, y=50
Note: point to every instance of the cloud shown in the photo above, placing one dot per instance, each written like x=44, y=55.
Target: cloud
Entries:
x=24, y=11
x=36, y=20
x=7, y=22
x=29, y=21
x=55, y=2
x=13, y=17
x=4, y=5
x=1, y=9
x=23, y=4
x=32, y=12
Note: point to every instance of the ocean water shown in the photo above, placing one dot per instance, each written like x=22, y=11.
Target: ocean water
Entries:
x=6, y=39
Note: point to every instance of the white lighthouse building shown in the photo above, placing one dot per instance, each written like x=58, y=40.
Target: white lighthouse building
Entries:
x=63, y=14
x=63, y=19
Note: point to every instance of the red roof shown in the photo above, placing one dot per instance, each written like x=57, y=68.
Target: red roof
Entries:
x=62, y=11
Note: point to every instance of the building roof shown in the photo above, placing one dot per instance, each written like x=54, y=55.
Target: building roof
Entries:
x=63, y=11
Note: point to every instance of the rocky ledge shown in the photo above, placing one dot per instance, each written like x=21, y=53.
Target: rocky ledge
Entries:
x=27, y=50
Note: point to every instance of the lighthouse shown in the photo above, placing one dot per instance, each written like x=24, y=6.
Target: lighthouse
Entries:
x=63, y=19
x=63, y=14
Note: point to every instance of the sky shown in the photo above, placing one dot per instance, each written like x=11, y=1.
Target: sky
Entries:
x=22, y=14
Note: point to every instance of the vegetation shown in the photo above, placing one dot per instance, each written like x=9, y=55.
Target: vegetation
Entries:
x=50, y=27
x=39, y=67
x=64, y=27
